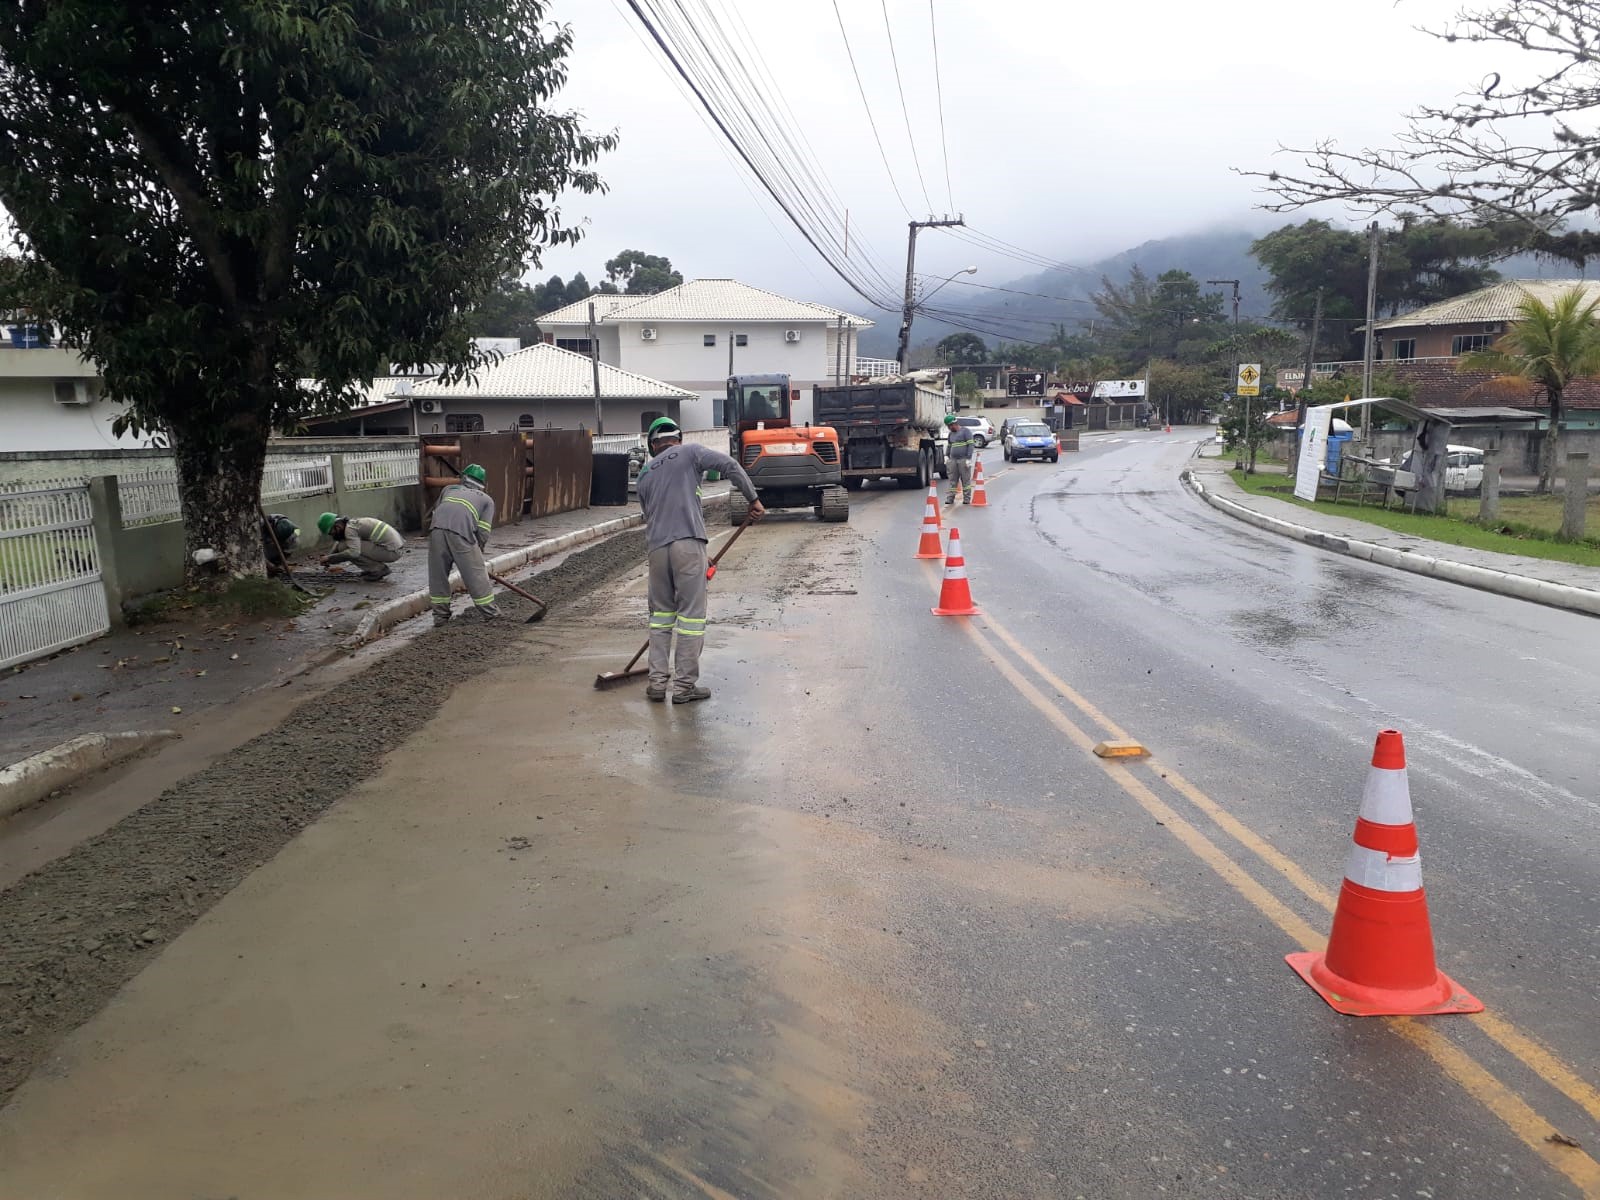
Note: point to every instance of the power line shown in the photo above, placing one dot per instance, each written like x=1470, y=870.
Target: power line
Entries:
x=938, y=83
x=905, y=109
x=851, y=55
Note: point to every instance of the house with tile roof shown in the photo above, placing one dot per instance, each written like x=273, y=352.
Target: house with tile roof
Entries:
x=689, y=335
x=538, y=387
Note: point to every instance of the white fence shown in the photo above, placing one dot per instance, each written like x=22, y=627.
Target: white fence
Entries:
x=149, y=497
x=289, y=478
x=618, y=443
x=875, y=367
x=50, y=592
x=380, y=468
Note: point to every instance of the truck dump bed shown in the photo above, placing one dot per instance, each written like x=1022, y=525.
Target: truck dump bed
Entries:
x=879, y=405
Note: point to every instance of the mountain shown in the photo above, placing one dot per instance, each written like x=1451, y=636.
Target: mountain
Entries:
x=1024, y=309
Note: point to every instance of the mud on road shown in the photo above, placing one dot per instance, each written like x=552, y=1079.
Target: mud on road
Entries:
x=79, y=928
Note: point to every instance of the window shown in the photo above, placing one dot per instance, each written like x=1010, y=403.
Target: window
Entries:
x=577, y=345
x=1466, y=343
x=710, y=339
x=647, y=419
x=741, y=339
x=526, y=421
x=1405, y=348
x=463, y=423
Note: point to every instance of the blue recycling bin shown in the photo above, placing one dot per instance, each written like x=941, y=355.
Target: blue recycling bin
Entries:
x=1336, y=445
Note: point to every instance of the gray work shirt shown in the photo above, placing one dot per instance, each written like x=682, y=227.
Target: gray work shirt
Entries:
x=669, y=491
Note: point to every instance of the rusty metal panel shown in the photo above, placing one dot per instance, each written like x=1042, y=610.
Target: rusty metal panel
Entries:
x=499, y=454
x=562, y=462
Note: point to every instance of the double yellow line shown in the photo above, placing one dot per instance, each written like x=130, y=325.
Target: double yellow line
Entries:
x=1535, y=1131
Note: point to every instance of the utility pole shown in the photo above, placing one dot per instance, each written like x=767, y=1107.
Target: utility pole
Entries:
x=594, y=363
x=911, y=264
x=1371, y=339
x=1236, y=350
x=1311, y=362
x=730, y=354
x=838, y=354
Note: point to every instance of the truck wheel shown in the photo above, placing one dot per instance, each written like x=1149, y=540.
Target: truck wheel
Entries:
x=854, y=482
x=738, y=508
x=910, y=482
x=834, y=504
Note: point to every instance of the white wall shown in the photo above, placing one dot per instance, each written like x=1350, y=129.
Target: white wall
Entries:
x=621, y=416
x=30, y=419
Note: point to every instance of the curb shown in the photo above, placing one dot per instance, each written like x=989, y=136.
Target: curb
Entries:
x=1504, y=583
x=31, y=780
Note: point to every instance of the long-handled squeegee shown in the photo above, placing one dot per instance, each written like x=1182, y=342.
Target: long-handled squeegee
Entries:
x=609, y=678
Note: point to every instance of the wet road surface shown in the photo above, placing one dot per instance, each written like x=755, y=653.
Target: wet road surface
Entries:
x=872, y=922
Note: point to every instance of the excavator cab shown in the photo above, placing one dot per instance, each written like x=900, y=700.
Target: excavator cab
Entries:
x=791, y=466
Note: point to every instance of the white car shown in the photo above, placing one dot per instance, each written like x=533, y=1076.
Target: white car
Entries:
x=1463, y=469
x=982, y=429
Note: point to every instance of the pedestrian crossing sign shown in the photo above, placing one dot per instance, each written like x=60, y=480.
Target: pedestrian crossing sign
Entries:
x=1249, y=379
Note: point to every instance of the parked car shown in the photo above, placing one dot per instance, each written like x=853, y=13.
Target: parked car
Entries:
x=1030, y=439
x=1463, y=469
x=982, y=429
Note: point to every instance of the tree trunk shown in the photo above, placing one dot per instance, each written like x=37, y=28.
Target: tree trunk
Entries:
x=1552, y=438
x=219, y=490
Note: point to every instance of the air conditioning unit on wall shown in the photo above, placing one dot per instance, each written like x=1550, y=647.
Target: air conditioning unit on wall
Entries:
x=430, y=408
x=647, y=334
x=73, y=392
x=791, y=335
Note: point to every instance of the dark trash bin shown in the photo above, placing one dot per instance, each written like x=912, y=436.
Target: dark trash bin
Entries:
x=609, y=481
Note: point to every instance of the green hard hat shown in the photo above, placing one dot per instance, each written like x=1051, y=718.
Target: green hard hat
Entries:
x=327, y=521
x=474, y=472
x=949, y=419
x=663, y=427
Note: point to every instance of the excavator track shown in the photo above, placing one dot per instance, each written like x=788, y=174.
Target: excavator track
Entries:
x=833, y=504
x=738, y=508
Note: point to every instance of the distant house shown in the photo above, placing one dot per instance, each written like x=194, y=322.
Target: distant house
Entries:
x=541, y=387
x=689, y=335
x=50, y=398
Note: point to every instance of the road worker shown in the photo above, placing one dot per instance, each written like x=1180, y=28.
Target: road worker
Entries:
x=458, y=532
x=669, y=493
x=958, y=454
x=364, y=542
x=279, y=537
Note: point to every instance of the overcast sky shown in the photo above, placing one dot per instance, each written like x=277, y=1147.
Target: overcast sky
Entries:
x=1075, y=129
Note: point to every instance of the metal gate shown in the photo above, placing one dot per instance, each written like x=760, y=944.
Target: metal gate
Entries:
x=50, y=591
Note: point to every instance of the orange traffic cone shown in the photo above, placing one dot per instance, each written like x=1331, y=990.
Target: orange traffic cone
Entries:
x=1169, y=428
x=933, y=499
x=1379, y=960
x=980, y=498
x=929, y=546
x=955, y=597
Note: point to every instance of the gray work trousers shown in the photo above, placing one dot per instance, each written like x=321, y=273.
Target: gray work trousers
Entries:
x=447, y=549
x=375, y=561
x=960, y=475
x=677, y=606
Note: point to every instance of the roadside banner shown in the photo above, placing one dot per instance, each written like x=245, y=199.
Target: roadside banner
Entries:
x=1313, y=451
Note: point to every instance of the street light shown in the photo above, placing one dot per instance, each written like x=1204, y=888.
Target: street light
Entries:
x=926, y=296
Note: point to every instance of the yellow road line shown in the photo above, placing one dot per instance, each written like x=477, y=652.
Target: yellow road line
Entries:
x=1517, y=1115
x=1529, y=1051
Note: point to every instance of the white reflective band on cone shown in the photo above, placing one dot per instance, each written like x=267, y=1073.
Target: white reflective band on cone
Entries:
x=1386, y=799
x=1382, y=872
x=958, y=571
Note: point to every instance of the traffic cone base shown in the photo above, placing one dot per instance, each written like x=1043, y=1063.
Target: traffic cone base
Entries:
x=1380, y=960
x=955, y=595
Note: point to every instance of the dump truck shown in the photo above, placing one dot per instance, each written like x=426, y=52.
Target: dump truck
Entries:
x=792, y=466
x=887, y=430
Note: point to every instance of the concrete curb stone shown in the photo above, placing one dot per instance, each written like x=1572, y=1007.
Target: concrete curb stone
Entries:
x=1504, y=583
x=33, y=778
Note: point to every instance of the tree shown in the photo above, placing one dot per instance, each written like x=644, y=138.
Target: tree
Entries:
x=1167, y=317
x=1549, y=346
x=1525, y=154
x=961, y=348
x=510, y=310
x=1180, y=391
x=636, y=273
x=1244, y=423
x=209, y=191
x=965, y=386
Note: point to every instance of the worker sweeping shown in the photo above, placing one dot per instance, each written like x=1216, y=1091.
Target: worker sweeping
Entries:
x=958, y=453
x=363, y=542
x=457, y=534
x=675, y=528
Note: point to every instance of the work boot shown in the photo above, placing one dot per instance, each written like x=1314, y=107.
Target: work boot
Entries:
x=441, y=617
x=374, y=576
x=655, y=695
x=488, y=611
x=950, y=499
x=690, y=696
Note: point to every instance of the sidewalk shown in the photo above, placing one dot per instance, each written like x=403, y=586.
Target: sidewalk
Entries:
x=1561, y=585
x=159, y=676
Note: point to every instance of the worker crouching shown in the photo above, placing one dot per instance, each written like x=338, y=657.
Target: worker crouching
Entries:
x=458, y=532
x=675, y=527
x=364, y=542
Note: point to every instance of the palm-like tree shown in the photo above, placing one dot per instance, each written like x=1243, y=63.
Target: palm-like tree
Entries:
x=1550, y=345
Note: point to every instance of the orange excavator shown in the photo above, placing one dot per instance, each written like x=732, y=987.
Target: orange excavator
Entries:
x=792, y=466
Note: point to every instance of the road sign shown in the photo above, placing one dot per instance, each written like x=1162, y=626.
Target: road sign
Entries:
x=1249, y=379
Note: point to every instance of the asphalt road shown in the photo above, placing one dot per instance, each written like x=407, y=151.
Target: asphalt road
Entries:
x=873, y=922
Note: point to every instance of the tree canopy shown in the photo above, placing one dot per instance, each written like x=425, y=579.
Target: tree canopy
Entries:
x=636, y=273
x=961, y=348
x=211, y=193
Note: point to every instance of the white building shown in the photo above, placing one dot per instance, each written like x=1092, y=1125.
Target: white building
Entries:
x=694, y=335
x=50, y=400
